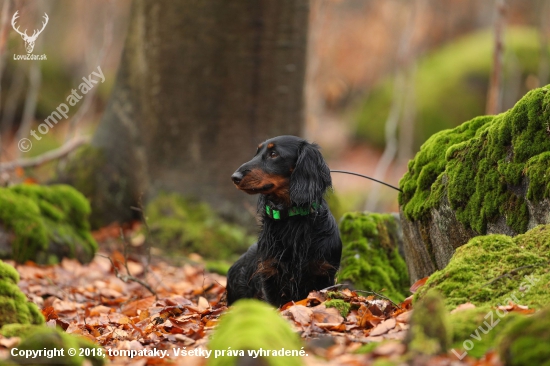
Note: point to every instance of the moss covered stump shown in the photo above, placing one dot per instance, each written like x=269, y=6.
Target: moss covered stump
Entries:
x=251, y=325
x=495, y=269
x=430, y=331
x=526, y=341
x=44, y=224
x=187, y=226
x=370, y=254
x=14, y=307
x=488, y=175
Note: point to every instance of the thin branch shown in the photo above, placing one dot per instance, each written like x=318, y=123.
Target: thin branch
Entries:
x=494, y=97
x=128, y=277
x=377, y=294
x=514, y=272
x=46, y=157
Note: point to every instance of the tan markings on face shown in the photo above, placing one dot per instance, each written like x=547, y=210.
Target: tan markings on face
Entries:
x=255, y=181
x=260, y=146
x=270, y=145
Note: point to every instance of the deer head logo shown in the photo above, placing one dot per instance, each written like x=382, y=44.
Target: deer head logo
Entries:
x=29, y=40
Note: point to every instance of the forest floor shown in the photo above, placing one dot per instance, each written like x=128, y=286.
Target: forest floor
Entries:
x=94, y=301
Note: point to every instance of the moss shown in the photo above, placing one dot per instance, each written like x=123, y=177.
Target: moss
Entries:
x=40, y=338
x=48, y=223
x=430, y=331
x=479, y=164
x=193, y=227
x=495, y=269
x=525, y=340
x=475, y=326
x=14, y=307
x=254, y=325
x=18, y=330
x=370, y=257
x=450, y=85
x=342, y=306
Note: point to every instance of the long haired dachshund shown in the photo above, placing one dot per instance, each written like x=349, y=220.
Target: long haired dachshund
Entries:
x=299, y=246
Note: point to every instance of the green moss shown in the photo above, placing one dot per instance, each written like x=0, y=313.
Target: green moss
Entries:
x=475, y=327
x=525, y=340
x=40, y=338
x=340, y=305
x=370, y=257
x=193, y=227
x=430, y=331
x=48, y=223
x=495, y=269
x=450, y=85
x=254, y=325
x=14, y=307
x=18, y=330
x=479, y=163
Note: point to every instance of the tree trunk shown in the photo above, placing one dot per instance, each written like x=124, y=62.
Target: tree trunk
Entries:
x=201, y=83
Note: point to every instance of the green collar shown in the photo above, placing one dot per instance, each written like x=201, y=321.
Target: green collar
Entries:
x=293, y=211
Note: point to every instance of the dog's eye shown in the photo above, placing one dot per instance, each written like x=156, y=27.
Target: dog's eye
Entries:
x=273, y=154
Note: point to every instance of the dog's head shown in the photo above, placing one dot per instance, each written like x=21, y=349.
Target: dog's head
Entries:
x=287, y=169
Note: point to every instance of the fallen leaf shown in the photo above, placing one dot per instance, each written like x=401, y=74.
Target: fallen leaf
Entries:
x=383, y=327
x=418, y=284
x=300, y=314
x=461, y=307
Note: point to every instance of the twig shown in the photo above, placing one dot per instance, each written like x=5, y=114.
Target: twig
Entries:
x=46, y=157
x=514, y=271
x=129, y=277
x=377, y=294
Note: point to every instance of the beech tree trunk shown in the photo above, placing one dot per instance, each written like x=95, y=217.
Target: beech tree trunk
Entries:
x=201, y=84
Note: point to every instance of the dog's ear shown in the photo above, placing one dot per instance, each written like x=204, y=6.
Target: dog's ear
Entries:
x=310, y=177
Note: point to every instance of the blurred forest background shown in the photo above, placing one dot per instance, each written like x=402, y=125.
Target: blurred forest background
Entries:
x=380, y=77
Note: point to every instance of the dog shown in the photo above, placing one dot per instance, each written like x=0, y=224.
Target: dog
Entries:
x=299, y=246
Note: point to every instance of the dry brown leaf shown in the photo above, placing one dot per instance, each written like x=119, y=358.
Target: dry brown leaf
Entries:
x=383, y=327
x=421, y=282
x=461, y=307
x=300, y=314
x=100, y=309
x=131, y=309
x=9, y=342
x=322, y=314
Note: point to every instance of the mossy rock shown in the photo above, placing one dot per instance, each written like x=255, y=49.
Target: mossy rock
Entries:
x=370, y=254
x=45, y=224
x=475, y=331
x=451, y=84
x=180, y=224
x=525, y=340
x=489, y=175
x=45, y=338
x=430, y=331
x=254, y=325
x=495, y=269
x=14, y=307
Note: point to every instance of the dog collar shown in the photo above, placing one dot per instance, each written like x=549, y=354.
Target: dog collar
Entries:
x=293, y=211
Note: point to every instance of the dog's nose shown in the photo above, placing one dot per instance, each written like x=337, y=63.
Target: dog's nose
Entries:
x=237, y=177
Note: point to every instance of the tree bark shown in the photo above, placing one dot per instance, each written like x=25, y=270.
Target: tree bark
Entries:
x=201, y=83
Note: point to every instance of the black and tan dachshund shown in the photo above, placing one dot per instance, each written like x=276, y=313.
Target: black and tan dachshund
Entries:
x=299, y=247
